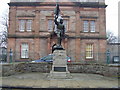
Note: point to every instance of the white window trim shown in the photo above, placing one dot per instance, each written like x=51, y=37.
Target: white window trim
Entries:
x=30, y=28
x=89, y=26
x=87, y=57
x=84, y=26
x=92, y=26
x=54, y=27
x=50, y=30
x=20, y=25
x=25, y=25
x=24, y=54
x=67, y=24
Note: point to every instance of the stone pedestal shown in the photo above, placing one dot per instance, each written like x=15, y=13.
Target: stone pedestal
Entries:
x=59, y=67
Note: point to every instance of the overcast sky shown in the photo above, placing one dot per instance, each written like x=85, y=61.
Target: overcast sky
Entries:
x=111, y=14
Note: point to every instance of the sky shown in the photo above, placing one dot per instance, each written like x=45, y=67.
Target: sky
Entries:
x=111, y=14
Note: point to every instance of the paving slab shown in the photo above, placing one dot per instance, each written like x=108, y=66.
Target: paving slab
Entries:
x=61, y=84
x=40, y=80
x=45, y=84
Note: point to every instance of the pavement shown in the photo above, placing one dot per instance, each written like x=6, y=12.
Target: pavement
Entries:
x=78, y=80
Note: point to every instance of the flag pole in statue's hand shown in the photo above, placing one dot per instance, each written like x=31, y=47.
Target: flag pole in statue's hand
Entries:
x=57, y=10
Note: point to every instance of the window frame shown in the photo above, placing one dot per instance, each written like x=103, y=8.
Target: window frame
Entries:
x=64, y=18
x=67, y=24
x=21, y=23
x=50, y=30
x=89, y=51
x=29, y=29
x=89, y=25
x=85, y=28
x=23, y=51
x=92, y=26
x=26, y=19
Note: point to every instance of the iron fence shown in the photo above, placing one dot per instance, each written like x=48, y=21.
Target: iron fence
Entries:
x=97, y=57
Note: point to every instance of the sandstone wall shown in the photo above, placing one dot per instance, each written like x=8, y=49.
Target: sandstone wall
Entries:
x=102, y=69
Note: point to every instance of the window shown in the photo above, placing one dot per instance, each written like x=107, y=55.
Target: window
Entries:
x=85, y=26
x=92, y=26
x=89, y=25
x=65, y=22
x=24, y=50
x=25, y=25
x=28, y=25
x=50, y=24
x=89, y=51
x=22, y=25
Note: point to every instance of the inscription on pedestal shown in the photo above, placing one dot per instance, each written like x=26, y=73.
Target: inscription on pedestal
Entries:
x=60, y=69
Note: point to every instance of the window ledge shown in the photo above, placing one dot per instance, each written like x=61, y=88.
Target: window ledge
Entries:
x=24, y=58
x=89, y=57
x=42, y=31
x=25, y=31
x=88, y=32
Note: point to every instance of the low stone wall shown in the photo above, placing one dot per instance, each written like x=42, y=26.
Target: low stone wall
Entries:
x=11, y=69
x=103, y=69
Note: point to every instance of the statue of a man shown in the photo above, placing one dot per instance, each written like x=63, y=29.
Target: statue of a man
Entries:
x=60, y=28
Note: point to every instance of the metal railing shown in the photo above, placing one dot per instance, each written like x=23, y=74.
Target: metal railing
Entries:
x=97, y=57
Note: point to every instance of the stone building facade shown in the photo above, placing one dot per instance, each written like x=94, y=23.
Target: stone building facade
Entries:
x=114, y=49
x=31, y=24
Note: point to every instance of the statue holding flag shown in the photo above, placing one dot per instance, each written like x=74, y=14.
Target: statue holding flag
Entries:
x=59, y=27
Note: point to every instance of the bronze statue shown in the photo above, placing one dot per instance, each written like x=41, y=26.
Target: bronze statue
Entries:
x=60, y=28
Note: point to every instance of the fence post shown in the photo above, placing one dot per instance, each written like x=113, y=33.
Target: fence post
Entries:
x=11, y=55
x=108, y=56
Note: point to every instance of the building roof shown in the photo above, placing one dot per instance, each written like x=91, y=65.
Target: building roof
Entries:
x=113, y=43
x=80, y=3
x=100, y=1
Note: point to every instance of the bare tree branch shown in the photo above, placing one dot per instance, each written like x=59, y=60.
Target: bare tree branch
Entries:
x=4, y=26
x=111, y=38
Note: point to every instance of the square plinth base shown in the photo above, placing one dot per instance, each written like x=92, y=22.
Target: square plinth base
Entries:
x=59, y=67
x=59, y=75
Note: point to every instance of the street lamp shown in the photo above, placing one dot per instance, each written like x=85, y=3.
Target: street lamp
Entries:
x=11, y=55
x=108, y=56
